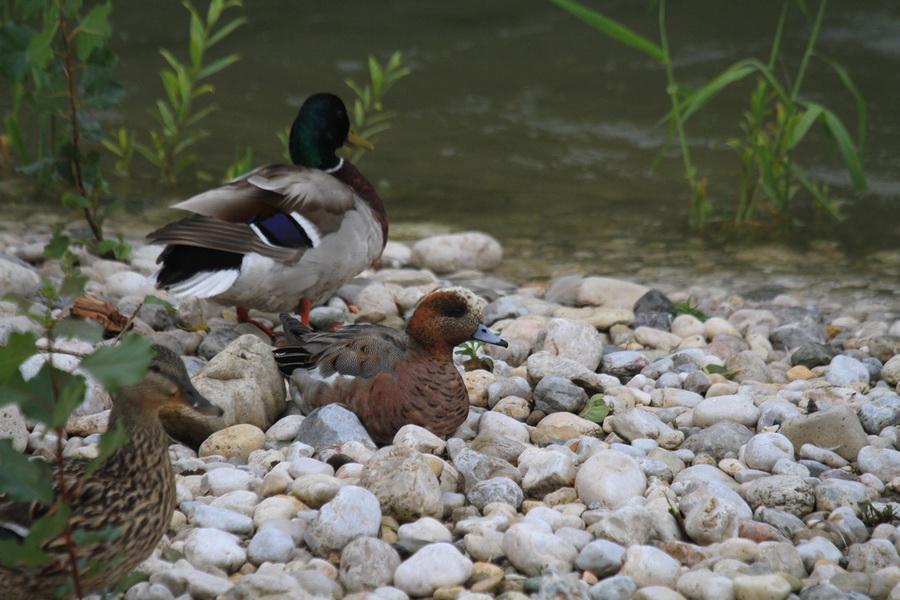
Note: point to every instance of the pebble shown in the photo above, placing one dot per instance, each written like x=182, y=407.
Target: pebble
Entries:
x=354, y=512
x=766, y=464
x=435, y=566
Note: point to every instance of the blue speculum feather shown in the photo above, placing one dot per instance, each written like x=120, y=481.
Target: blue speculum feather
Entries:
x=281, y=230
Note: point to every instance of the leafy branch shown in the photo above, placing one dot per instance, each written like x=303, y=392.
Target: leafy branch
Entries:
x=183, y=85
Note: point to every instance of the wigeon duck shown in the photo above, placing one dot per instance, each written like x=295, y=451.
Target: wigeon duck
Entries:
x=132, y=491
x=280, y=238
x=388, y=377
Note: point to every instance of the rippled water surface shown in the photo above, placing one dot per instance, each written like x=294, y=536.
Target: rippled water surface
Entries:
x=520, y=121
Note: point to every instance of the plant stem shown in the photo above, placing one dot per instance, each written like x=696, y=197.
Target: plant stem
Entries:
x=698, y=213
x=810, y=48
x=73, y=120
x=64, y=495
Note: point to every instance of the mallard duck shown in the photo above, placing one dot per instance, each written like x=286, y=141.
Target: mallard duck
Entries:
x=280, y=238
x=390, y=378
x=133, y=491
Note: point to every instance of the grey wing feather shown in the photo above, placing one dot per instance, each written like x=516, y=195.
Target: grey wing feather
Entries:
x=208, y=232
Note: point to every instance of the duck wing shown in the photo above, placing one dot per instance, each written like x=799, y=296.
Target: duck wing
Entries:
x=362, y=351
x=278, y=211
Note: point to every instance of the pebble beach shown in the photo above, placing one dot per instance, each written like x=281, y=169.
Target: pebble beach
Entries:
x=750, y=452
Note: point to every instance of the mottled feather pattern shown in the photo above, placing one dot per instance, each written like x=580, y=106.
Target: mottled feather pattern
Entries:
x=133, y=491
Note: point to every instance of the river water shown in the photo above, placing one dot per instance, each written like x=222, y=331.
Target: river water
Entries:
x=520, y=121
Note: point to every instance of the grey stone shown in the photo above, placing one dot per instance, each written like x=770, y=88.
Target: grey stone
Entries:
x=532, y=548
x=884, y=347
x=832, y=493
x=844, y=370
x=837, y=428
x=508, y=386
x=764, y=449
x=880, y=413
x=872, y=556
x=791, y=494
x=618, y=587
x=503, y=308
x=13, y=427
x=813, y=354
x=455, y=251
x=404, y=484
x=795, y=335
x=623, y=364
x=601, y=557
x=270, y=545
x=353, y=513
x=884, y=463
x=558, y=394
x=331, y=426
x=18, y=323
x=18, y=278
x=718, y=439
x=367, y=563
x=823, y=591
x=475, y=466
x=775, y=412
x=748, y=366
x=496, y=489
x=653, y=309
x=571, y=338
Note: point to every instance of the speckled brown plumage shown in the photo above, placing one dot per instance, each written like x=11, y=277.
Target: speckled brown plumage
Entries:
x=133, y=490
x=390, y=378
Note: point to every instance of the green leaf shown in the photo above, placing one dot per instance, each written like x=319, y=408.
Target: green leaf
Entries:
x=848, y=151
x=70, y=395
x=714, y=369
x=224, y=31
x=73, y=284
x=155, y=300
x=613, y=29
x=20, y=346
x=35, y=396
x=122, y=364
x=23, y=479
x=844, y=76
x=216, y=66
x=732, y=74
x=57, y=245
x=89, y=331
x=801, y=128
x=595, y=410
x=14, y=42
x=40, y=48
x=96, y=22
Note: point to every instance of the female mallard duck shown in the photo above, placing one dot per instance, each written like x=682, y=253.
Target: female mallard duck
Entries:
x=390, y=378
x=133, y=491
x=282, y=237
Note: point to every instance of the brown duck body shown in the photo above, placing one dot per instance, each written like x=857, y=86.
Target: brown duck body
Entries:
x=389, y=378
x=132, y=491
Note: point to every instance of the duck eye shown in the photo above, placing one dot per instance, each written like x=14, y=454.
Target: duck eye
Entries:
x=154, y=369
x=456, y=311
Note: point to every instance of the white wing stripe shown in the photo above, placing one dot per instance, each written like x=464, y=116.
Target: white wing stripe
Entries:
x=312, y=232
x=260, y=235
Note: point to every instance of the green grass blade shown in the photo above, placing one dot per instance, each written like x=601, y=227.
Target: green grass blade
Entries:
x=732, y=74
x=848, y=150
x=857, y=98
x=813, y=113
x=613, y=29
